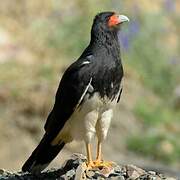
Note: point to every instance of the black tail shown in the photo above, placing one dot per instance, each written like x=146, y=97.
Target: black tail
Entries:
x=42, y=156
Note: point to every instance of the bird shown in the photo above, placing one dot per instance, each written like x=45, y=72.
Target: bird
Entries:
x=88, y=92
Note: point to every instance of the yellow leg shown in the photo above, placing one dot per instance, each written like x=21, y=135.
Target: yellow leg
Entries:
x=89, y=156
x=99, y=152
x=99, y=162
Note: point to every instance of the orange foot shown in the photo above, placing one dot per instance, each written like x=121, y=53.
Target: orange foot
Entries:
x=102, y=164
x=99, y=164
x=90, y=165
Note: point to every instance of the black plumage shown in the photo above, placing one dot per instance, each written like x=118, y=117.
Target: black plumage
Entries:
x=98, y=70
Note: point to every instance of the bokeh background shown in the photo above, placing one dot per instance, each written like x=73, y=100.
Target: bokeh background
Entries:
x=39, y=39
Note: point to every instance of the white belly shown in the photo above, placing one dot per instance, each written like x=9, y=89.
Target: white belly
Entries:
x=93, y=117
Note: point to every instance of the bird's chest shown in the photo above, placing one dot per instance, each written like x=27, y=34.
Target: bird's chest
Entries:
x=107, y=80
x=95, y=102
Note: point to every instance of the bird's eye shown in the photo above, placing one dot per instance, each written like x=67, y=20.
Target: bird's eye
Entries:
x=113, y=20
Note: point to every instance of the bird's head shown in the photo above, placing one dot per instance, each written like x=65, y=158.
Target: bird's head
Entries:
x=109, y=21
x=107, y=24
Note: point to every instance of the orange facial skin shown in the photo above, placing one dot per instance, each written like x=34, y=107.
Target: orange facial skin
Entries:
x=114, y=20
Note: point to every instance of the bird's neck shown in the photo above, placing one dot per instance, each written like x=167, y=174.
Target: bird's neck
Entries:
x=108, y=40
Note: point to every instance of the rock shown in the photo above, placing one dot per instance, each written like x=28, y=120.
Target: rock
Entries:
x=134, y=172
x=75, y=169
x=1, y=171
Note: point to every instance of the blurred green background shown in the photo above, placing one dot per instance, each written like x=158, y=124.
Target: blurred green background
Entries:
x=39, y=39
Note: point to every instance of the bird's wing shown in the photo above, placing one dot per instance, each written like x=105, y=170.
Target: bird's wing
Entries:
x=84, y=93
x=74, y=85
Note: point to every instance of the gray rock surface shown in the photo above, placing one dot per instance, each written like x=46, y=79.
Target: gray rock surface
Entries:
x=75, y=169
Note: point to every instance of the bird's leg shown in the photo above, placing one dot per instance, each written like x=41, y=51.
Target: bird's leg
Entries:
x=99, y=152
x=99, y=162
x=90, y=163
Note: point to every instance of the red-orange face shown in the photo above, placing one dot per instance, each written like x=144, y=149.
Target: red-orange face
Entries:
x=115, y=20
x=109, y=21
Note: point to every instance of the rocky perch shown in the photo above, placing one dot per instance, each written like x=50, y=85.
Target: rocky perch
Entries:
x=75, y=168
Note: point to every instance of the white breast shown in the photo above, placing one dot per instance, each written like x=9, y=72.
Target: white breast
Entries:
x=93, y=117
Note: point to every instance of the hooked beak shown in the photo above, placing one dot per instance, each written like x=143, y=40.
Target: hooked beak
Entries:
x=117, y=19
x=123, y=18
